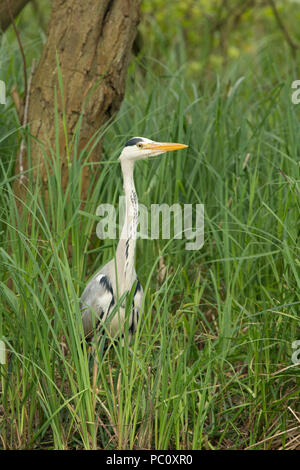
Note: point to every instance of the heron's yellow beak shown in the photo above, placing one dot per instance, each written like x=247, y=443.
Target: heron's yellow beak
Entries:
x=164, y=146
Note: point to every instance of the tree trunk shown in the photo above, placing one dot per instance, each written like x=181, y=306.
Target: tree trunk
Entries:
x=15, y=7
x=93, y=40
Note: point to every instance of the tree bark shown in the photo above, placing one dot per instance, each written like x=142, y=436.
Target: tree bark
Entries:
x=93, y=40
x=15, y=7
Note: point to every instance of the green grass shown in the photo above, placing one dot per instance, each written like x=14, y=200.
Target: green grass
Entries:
x=210, y=366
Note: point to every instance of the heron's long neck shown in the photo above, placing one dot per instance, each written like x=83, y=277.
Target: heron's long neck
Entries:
x=126, y=245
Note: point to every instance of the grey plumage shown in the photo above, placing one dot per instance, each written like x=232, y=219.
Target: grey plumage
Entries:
x=99, y=299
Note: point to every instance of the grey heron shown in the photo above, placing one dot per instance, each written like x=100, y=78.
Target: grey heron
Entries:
x=118, y=276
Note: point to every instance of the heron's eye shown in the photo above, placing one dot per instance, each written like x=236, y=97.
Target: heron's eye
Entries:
x=140, y=145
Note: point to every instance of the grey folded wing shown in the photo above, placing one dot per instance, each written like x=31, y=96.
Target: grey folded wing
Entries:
x=96, y=302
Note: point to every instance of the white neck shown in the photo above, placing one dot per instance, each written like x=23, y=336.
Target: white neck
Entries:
x=126, y=245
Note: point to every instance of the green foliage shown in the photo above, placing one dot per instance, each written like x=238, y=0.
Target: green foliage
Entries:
x=206, y=35
x=211, y=363
x=11, y=72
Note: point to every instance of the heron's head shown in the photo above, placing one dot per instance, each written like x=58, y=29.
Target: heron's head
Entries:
x=139, y=148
